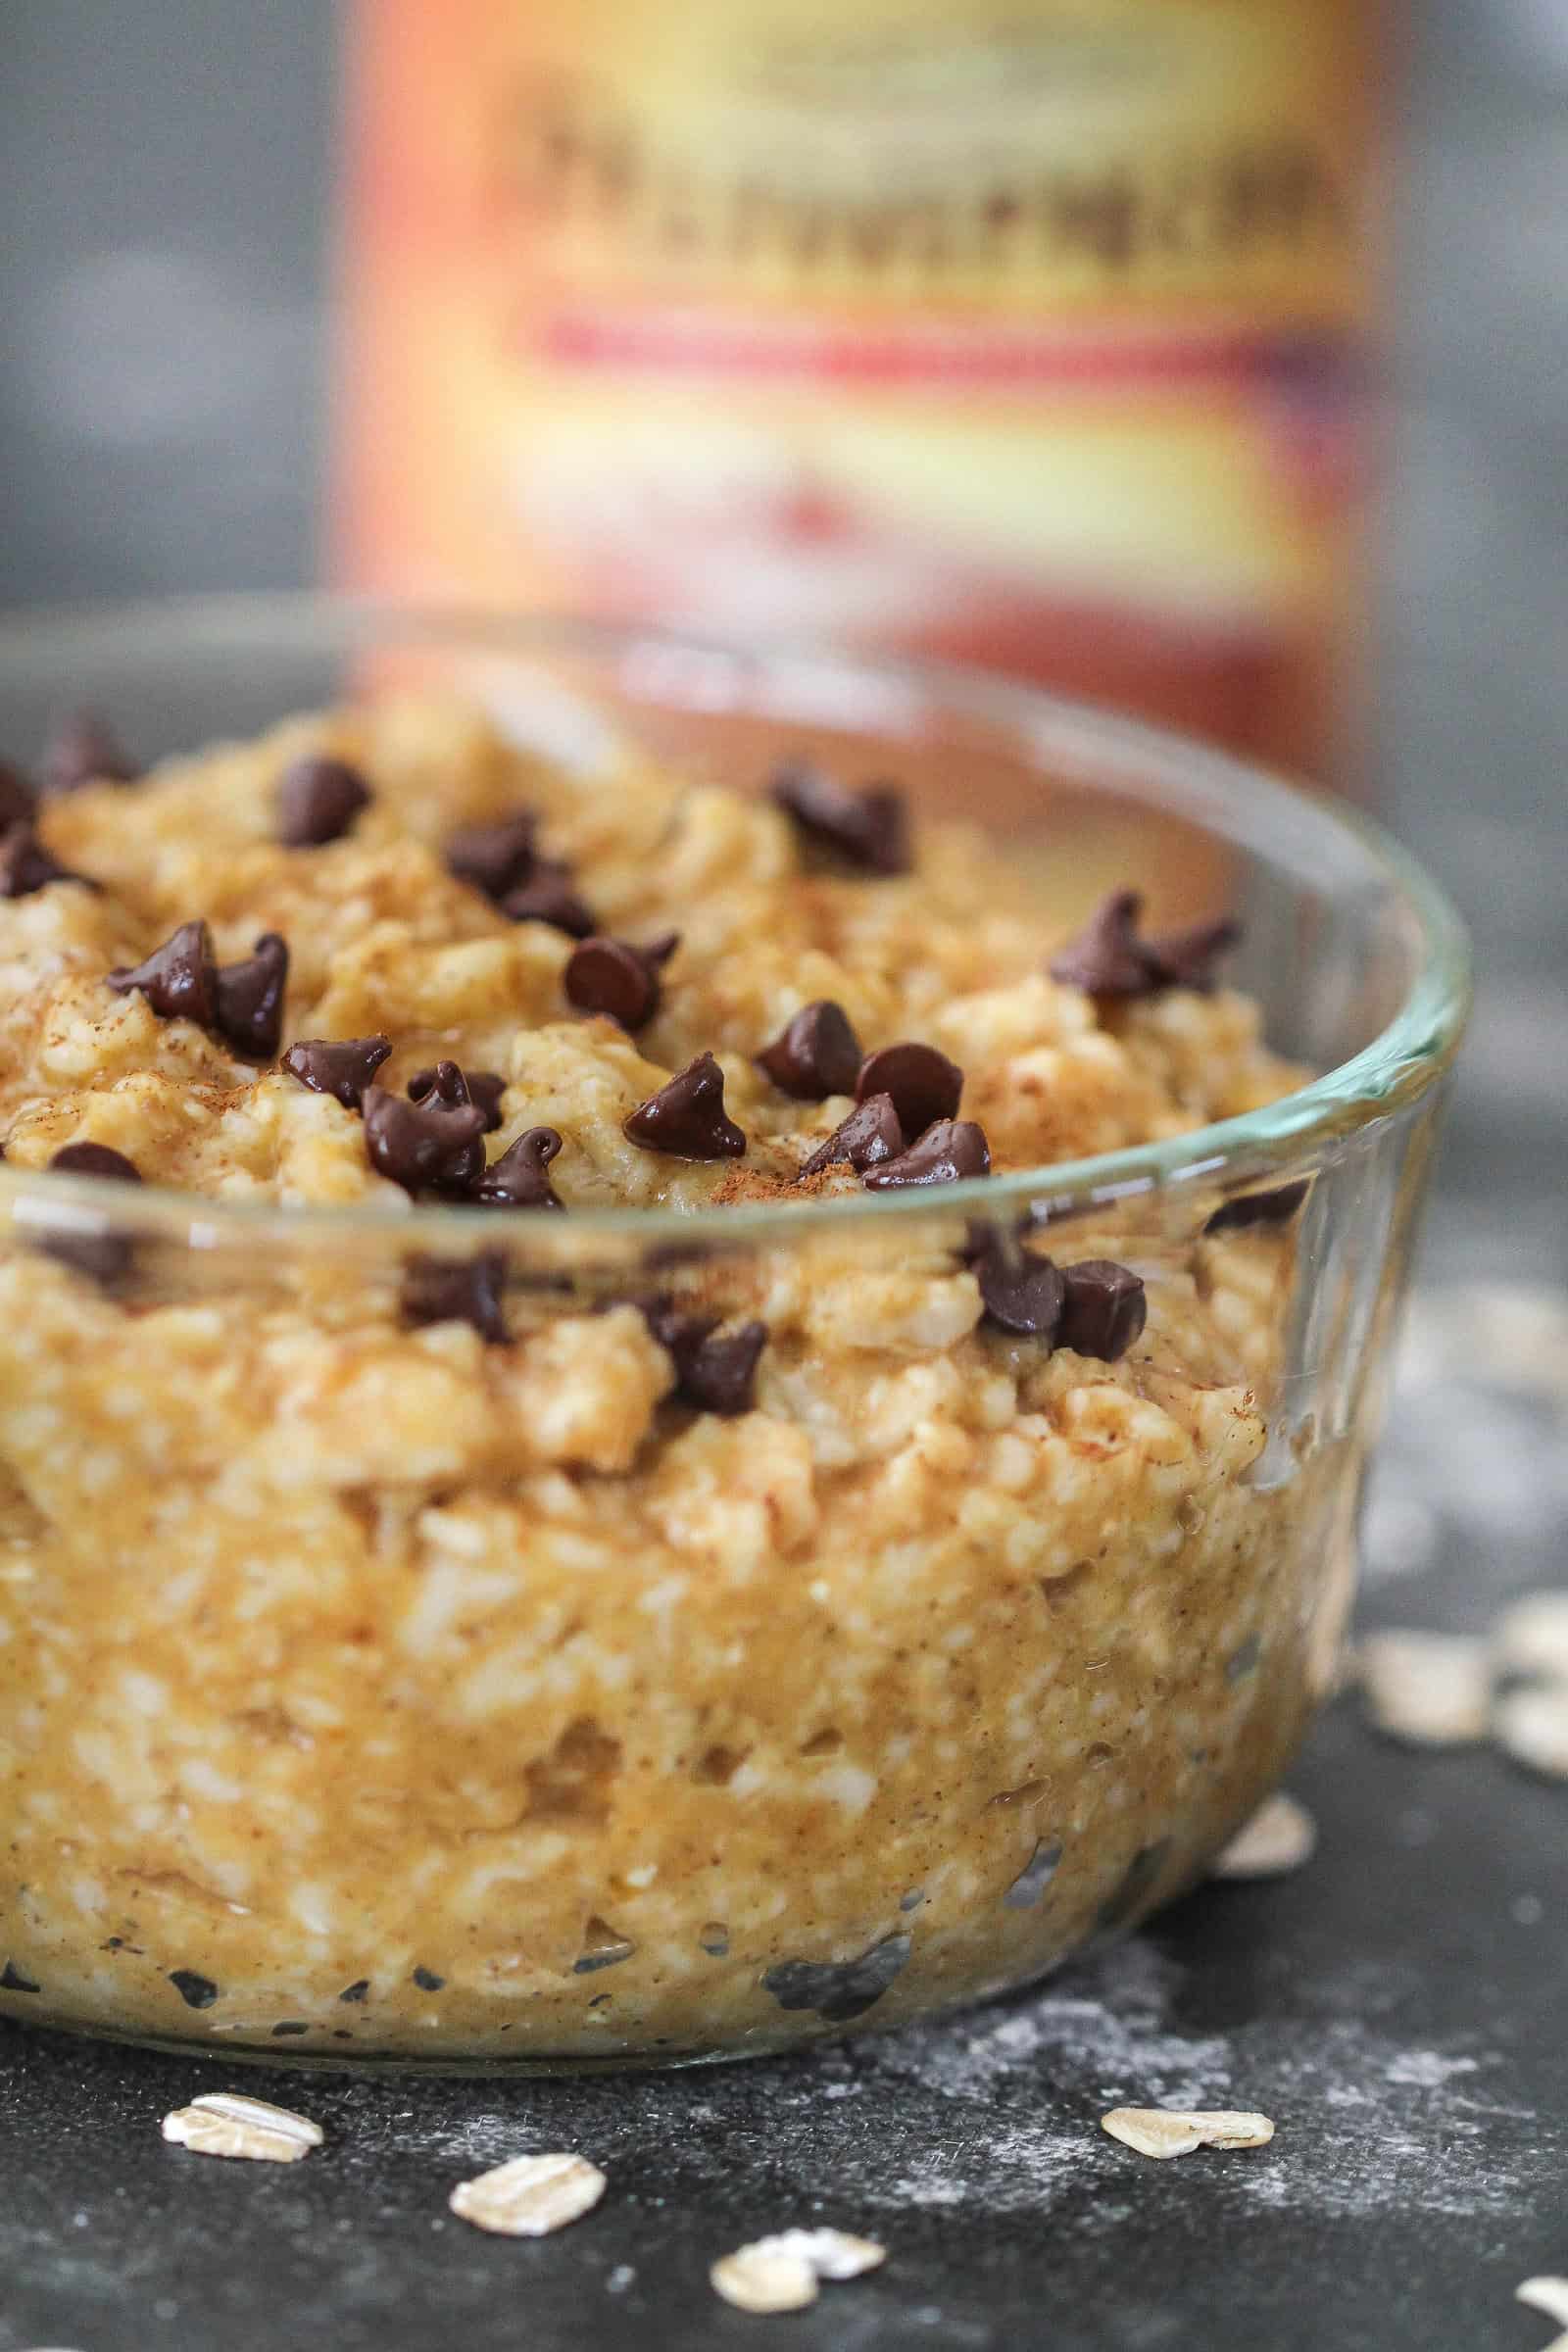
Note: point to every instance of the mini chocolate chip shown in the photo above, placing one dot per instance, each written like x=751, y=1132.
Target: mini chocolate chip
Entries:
x=96, y=1160
x=1259, y=1209
x=839, y=1991
x=439, y=1290
x=924, y=1083
x=197, y=1992
x=1104, y=1308
x=715, y=1371
x=816, y=1053
x=82, y=751
x=494, y=858
x=485, y=1087
x=687, y=1117
x=26, y=865
x=549, y=895
x=611, y=975
x=949, y=1151
x=871, y=1134
x=318, y=799
x=12, y=1979
x=104, y=1257
x=1107, y=958
x=250, y=999
x=519, y=1178
x=341, y=1066
x=427, y=1980
x=424, y=1144
x=357, y=1991
x=1021, y=1294
x=18, y=802
x=179, y=979
x=868, y=828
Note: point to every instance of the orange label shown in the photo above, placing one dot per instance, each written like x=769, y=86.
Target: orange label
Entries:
x=1026, y=332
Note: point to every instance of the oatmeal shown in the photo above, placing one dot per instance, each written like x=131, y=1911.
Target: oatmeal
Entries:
x=528, y=1643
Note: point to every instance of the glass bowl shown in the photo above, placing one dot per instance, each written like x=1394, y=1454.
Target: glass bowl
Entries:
x=327, y=1734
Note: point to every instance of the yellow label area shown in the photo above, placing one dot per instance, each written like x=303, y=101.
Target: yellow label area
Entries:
x=1026, y=332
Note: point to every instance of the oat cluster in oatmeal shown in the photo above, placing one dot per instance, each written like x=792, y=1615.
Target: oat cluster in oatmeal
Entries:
x=681, y=1658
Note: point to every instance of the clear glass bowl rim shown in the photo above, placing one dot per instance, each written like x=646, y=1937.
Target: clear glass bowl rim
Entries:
x=1229, y=797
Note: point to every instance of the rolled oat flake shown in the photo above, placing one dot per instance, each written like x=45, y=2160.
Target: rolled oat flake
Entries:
x=529, y=2196
x=781, y=2273
x=1176, y=2131
x=223, y=2123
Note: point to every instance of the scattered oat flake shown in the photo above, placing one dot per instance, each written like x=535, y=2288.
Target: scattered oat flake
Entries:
x=781, y=2273
x=1531, y=1636
x=1531, y=1728
x=1280, y=1836
x=530, y=2196
x=1176, y=2131
x=1430, y=1689
x=223, y=2123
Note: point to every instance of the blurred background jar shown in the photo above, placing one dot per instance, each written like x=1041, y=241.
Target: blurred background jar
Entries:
x=1031, y=332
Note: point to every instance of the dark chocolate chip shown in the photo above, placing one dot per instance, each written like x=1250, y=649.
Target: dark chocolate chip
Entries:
x=439, y=1290
x=197, y=1992
x=104, y=1257
x=924, y=1083
x=18, y=802
x=423, y=1146
x=1021, y=1294
x=839, y=1991
x=1034, y=1877
x=12, y=1979
x=1108, y=960
x=485, y=1087
x=82, y=751
x=868, y=828
x=1104, y=1308
x=340, y=1066
x=494, y=858
x=611, y=975
x=317, y=800
x=427, y=1980
x=250, y=999
x=687, y=1118
x=949, y=1151
x=715, y=1371
x=179, y=979
x=292, y=2027
x=26, y=865
x=357, y=1991
x=816, y=1053
x=549, y=895
x=519, y=1178
x=871, y=1134
x=1276, y=1207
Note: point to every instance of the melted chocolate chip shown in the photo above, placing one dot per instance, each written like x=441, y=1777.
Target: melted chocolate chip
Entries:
x=611, y=975
x=519, y=1178
x=494, y=858
x=318, y=799
x=82, y=751
x=839, y=1991
x=868, y=828
x=26, y=865
x=549, y=895
x=949, y=1151
x=1108, y=960
x=18, y=800
x=715, y=1371
x=1275, y=1207
x=871, y=1134
x=427, y=1980
x=485, y=1087
x=1104, y=1308
x=250, y=999
x=96, y=1160
x=438, y=1290
x=197, y=1992
x=924, y=1083
x=104, y=1257
x=339, y=1066
x=1021, y=1294
x=687, y=1118
x=816, y=1053
x=429, y=1145
x=179, y=979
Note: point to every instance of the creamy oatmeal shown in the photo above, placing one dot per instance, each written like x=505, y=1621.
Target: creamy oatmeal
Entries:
x=499, y=1651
